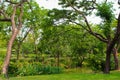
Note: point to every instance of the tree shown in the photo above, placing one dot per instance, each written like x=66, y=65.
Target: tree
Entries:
x=78, y=15
x=16, y=24
x=31, y=25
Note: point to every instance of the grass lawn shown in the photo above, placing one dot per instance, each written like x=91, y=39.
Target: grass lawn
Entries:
x=72, y=76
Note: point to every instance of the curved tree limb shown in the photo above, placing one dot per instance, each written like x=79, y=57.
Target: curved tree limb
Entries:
x=99, y=36
x=20, y=17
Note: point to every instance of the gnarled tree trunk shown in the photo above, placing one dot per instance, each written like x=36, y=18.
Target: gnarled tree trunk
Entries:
x=107, y=63
x=8, y=54
x=15, y=30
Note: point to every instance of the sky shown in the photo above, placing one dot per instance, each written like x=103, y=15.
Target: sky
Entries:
x=50, y=4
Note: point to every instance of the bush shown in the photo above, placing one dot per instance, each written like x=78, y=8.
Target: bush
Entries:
x=26, y=69
x=96, y=62
x=51, y=70
x=36, y=70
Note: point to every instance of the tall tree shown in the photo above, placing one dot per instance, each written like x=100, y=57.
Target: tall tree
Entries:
x=80, y=9
x=31, y=24
x=8, y=11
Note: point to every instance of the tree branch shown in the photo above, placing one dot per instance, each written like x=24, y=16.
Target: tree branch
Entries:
x=26, y=35
x=2, y=13
x=5, y=16
x=79, y=25
x=5, y=20
x=12, y=18
x=99, y=36
x=20, y=17
x=11, y=2
x=80, y=12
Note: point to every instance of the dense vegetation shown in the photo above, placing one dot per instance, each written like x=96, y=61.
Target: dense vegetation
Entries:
x=42, y=41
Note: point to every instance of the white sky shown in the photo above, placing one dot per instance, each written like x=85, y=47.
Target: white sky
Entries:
x=50, y=4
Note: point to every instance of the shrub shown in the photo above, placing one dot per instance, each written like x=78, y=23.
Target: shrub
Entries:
x=31, y=69
x=51, y=70
x=26, y=69
x=96, y=62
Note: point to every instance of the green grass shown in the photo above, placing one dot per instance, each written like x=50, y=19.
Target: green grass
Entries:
x=73, y=76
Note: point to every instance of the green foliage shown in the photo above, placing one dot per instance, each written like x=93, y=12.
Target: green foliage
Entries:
x=1, y=62
x=96, y=62
x=3, y=40
x=57, y=15
x=107, y=29
x=105, y=11
x=35, y=68
x=29, y=69
x=51, y=70
x=51, y=33
x=84, y=5
x=12, y=70
x=27, y=47
x=2, y=53
x=2, y=56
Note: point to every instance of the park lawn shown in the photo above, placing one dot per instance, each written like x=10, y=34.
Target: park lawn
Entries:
x=73, y=76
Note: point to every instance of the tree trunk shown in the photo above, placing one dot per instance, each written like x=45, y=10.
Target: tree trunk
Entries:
x=36, y=52
x=110, y=47
x=8, y=54
x=116, y=59
x=58, y=59
x=107, y=63
x=15, y=30
x=81, y=61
